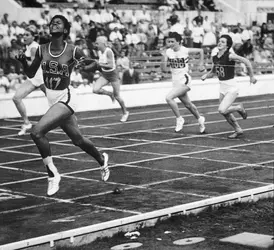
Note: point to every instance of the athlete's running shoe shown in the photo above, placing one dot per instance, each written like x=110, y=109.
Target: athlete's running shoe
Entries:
x=25, y=128
x=235, y=135
x=179, y=124
x=104, y=169
x=243, y=112
x=53, y=184
x=124, y=117
x=201, y=121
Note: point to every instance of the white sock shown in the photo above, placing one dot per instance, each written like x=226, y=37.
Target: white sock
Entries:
x=199, y=120
x=49, y=163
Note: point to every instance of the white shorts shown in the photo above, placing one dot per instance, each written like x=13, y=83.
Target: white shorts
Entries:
x=229, y=86
x=67, y=96
x=183, y=80
x=38, y=79
x=37, y=82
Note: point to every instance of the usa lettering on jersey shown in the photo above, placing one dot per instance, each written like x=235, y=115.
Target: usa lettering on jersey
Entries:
x=54, y=72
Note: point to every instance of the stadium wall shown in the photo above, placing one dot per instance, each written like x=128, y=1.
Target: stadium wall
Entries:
x=136, y=95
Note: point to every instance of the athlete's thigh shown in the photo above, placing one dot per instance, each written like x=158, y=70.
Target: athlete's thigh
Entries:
x=71, y=128
x=221, y=97
x=25, y=89
x=53, y=117
x=100, y=82
x=116, y=87
x=185, y=98
x=178, y=91
x=227, y=100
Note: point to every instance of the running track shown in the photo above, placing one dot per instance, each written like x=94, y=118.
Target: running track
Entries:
x=155, y=167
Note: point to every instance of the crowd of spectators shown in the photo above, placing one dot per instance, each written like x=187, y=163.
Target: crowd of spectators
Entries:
x=130, y=34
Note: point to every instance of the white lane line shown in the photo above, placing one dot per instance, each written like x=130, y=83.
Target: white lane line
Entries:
x=18, y=152
x=21, y=170
x=23, y=181
x=25, y=208
x=20, y=161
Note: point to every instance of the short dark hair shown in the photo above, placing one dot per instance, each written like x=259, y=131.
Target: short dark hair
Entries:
x=175, y=35
x=66, y=24
x=229, y=41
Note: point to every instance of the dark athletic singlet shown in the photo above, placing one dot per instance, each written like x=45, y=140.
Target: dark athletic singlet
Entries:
x=57, y=68
x=225, y=68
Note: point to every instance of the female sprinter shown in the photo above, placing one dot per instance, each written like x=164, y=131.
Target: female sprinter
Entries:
x=57, y=59
x=177, y=57
x=108, y=75
x=29, y=85
x=224, y=64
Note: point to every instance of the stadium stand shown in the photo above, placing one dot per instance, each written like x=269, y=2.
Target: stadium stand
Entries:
x=139, y=30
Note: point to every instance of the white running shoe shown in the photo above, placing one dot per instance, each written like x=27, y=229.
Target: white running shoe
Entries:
x=201, y=121
x=124, y=117
x=179, y=124
x=104, y=169
x=53, y=184
x=24, y=128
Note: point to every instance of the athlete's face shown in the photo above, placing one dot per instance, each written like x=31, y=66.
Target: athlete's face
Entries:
x=57, y=26
x=28, y=38
x=100, y=44
x=172, y=43
x=222, y=44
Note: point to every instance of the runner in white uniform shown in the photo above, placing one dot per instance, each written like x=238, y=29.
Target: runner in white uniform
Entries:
x=28, y=85
x=109, y=75
x=177, y=58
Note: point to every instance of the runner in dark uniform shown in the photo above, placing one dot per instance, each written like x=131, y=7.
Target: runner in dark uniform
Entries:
x=224, y=64
x=57, y=59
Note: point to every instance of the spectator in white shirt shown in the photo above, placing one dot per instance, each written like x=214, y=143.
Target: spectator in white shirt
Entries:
x=237, y=40
x=207, y=24
x=134, y=18
x=4, y=81
x=4, y=28
x=125, y=19
x=97, y=17
x=210, y=39
x=115, y=34
x=176, y=26
x=224, y=29
x=144, y=15
x=15, y=29
x=42, y=21
x=247, y=34
x=4, y=41
x=86, y=17
x=115, y=24
x=197, y=35
x=107, y=17
x=47, y=14
x=76, y=28
x=123, y=61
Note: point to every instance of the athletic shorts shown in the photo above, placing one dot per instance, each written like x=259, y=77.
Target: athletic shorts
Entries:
x=229, y=86
x=36, y=81
x=111, y=76
x=67, y=96
x=183, y=80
